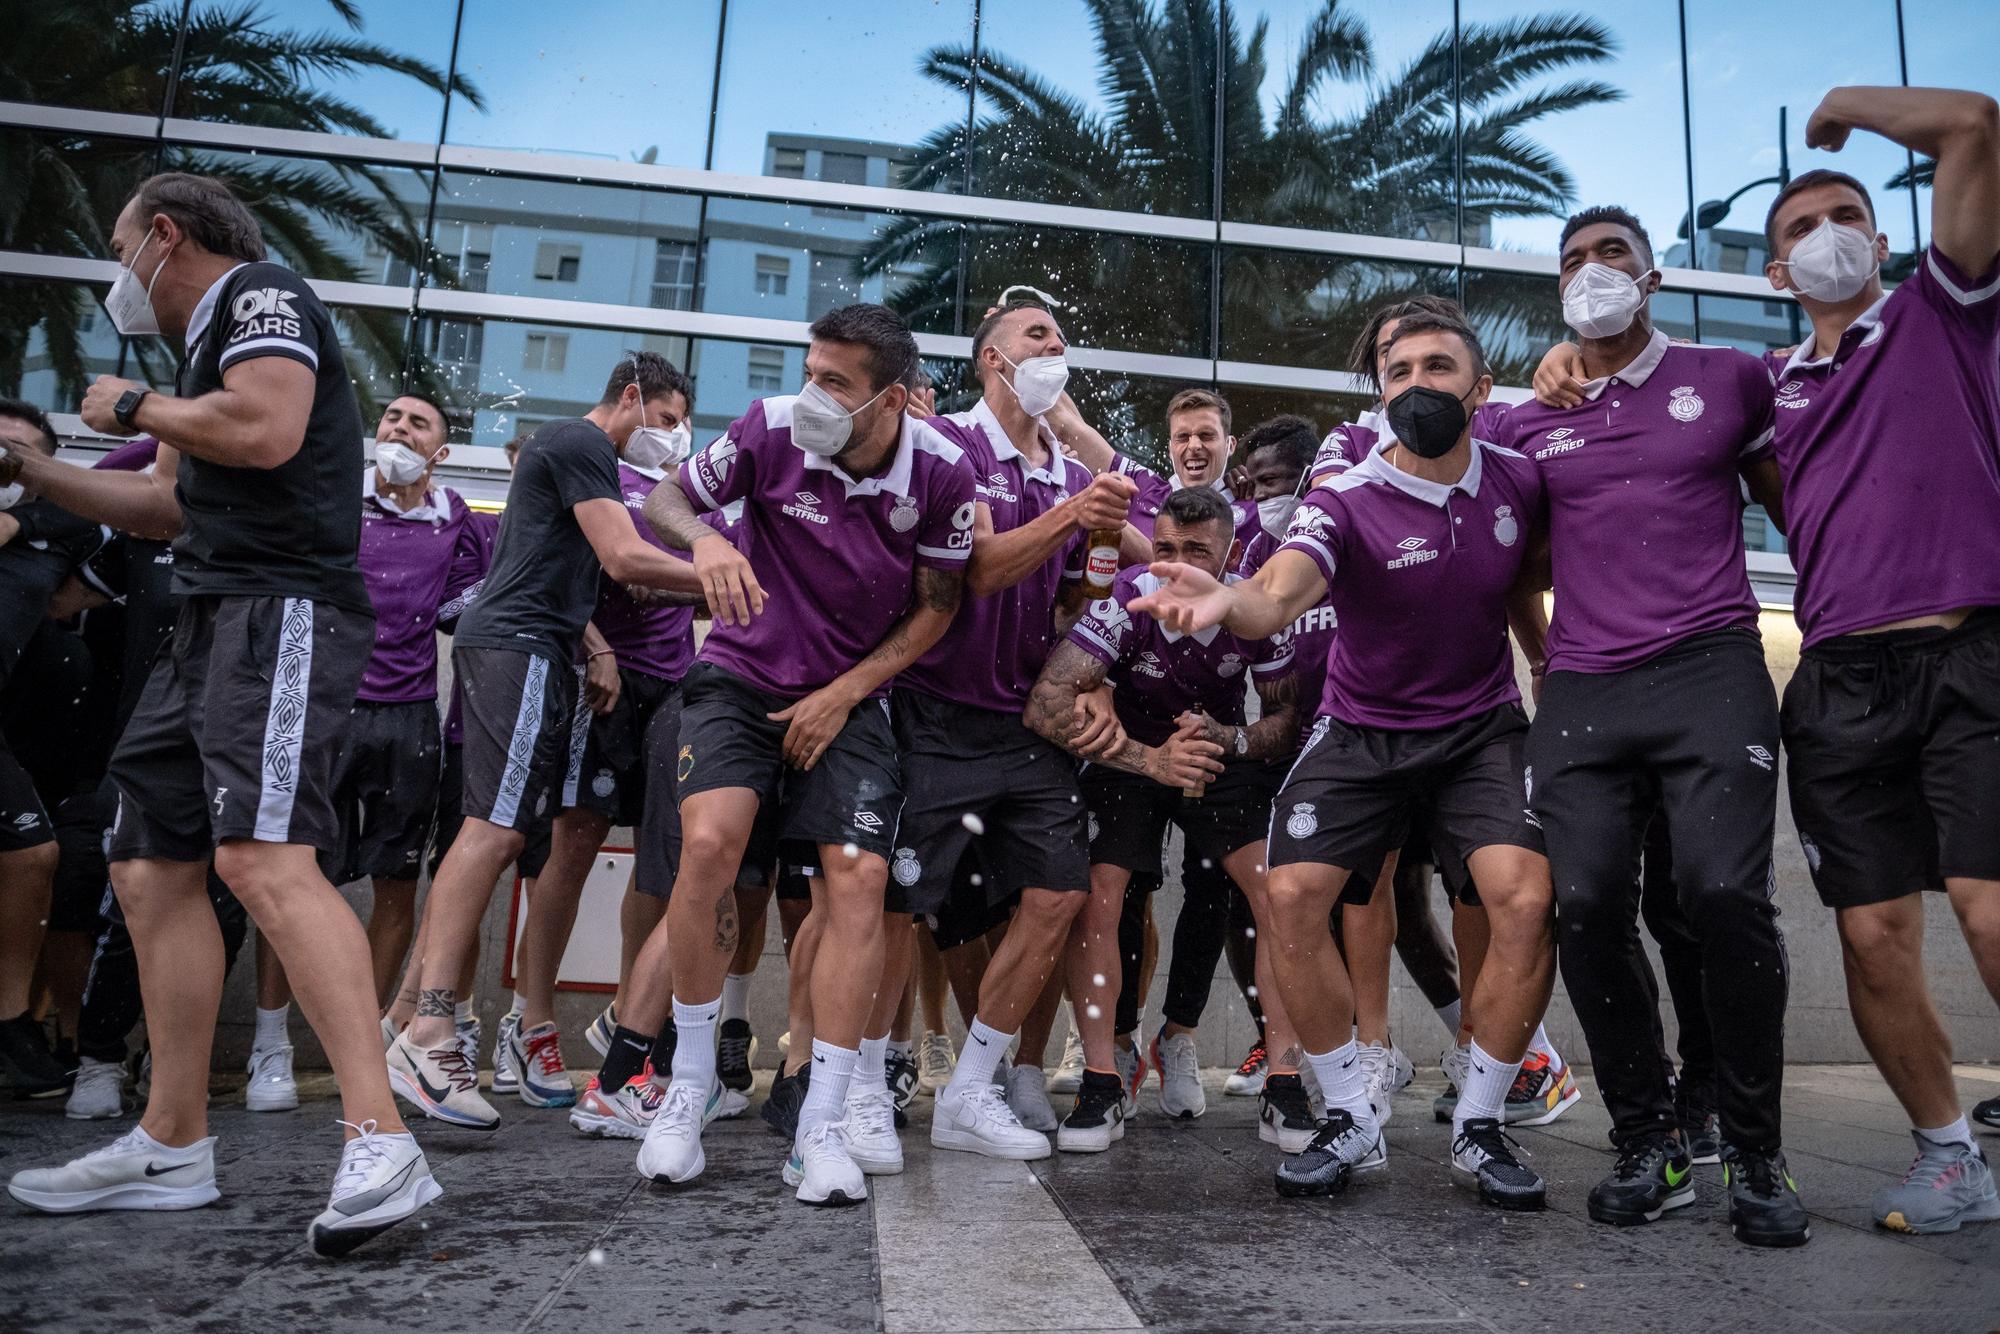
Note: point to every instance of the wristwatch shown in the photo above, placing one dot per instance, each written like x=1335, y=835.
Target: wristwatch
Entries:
x=128, y=403
x=1242, y=742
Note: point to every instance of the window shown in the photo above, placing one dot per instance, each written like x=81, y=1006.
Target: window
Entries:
x=789, y=162
x=469, y=246
x=673, y=275
x=545, y=352
x=557, y=262
x=774, y=274
x=455, y=347
x=827, y=283
x=843, y=168
x=767, y=370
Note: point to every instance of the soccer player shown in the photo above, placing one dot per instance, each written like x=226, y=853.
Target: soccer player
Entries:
x=1888, y=421
x=1179, y=699
x=513, y=652
x=229, y=753
x=857, y=527
x=1654, y=681
x=1421, y=546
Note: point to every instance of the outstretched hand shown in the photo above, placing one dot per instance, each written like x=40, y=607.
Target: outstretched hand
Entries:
x=1188, y=599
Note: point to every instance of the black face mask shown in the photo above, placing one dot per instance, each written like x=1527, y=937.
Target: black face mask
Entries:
x=1428, y=421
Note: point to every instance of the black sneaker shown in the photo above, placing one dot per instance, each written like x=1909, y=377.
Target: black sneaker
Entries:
x=1653, y=1174
x=27, y=1067
x=782, y=1103
x=1988, y=1114
x=902, y=1073
x=735, y=1048
x=1483, y=1157
x=1285, y=1113
x=1701, y=1129
x=1098, y=1119
x=1337, y=1149
x=1764, y=1207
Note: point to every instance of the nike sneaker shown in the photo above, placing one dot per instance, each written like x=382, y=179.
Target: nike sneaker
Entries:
x=545, y=1079
x=1987, y=1113
x=672, y=1147
x=1028, y=1098
x=1701, y=1128
x=467, y=1034
x=134, y=1171
x=1653, y=1174
x=1377, y=1071
x=622, y=1115
x=871, y=1132
x=1483, y=1158
x=28, y=1066
x=1948, y=1185
x=602, y=1029
x=934, y=1062
x=441, y=1082
x=1542, y=1092
x=1179, y=1064
x=1068, y=1077
x=382, y=1180
x=506, y=1064
x=786, y=1097
x=1454, y=1063
x=99, y=1091
x=272, y=1087
x=735, y=1050
x=1098, y=1119
x=1248, y=1080
x=1131, y=1074
x=900, y=1069
x=978, y=1120
x=1337, y=1149
x=1285, y=1115
x=823, y=1169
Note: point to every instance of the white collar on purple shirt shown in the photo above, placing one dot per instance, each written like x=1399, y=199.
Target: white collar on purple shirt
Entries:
x=1149, y=583
x=1003, y=448
x=204, y=310
x=1376, y=467
x=1869, y=319
x=1635, y=372
x=436, y=506
x=895, y=482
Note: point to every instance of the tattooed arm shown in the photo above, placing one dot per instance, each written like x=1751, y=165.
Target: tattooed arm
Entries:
x=1183, y=761
x=1273, y=734
x=817, y=719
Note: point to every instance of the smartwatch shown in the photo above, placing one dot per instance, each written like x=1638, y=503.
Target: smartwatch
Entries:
x=128, y=403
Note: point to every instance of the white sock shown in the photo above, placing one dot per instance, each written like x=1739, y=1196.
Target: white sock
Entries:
x=1342, y=1083
x=1487, y=1079
x=1448, y=1015
x=904, y=1049
x=694, y=1048
x=1541, y=1046
x=979, y=1058
x=184, y=1150
x=826, y=1094
x=520, y=1003
x=735, y=997
x=1958, y=1132
x=271, y=1030
x=871, y=1071
x=461, y=1014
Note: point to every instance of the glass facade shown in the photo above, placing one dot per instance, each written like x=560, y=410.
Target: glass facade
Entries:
x=507, y=196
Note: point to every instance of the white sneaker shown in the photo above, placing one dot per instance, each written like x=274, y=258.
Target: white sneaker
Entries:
x=672, y=1149
x=623, y=1115
x=977, y=1120
x=934, y=1062
x=506, y=1066
x=1028, y=1099
x=1131, y=1075
x=1377, y=1070
x=871, y=1132
x=545, y=1080
x=1401, y=1069
x=382, y=1180
x=729, y=1104
x=1069, y=1071
x=602, y=1029
x=99, y=1091
x=823, y=1169
x=441, y=1082
x=1247, y=1081
x=134, y=1171
x=1179, y=1064
x=271, y=1087
x=467, y=1035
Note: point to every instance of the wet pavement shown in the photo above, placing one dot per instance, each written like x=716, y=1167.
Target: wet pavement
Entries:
x=1176, y=1228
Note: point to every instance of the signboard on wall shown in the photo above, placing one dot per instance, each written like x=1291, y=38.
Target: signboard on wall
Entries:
x=591, y=961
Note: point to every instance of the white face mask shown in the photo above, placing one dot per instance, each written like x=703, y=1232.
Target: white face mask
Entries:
x=10, y=496
x=1602, y=302
x=1275, y=515
x=398, y=463
x=129, y=304
x=652, y=449
x=1831, y=262
x=1038, y=382
x=820, y=426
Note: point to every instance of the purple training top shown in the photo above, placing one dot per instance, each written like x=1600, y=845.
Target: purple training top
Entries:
x=1154, y=490
x=1351, y=442
x=416, y=563
x=1158, y=674
x=482, y=531
x=1890, y=450
x=1419, y=573
x=996, y=645
x=656, y=638
x=1645, y=502
x=836, y=557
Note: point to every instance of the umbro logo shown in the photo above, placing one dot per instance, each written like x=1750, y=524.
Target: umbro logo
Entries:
x=1415, y=550
x=1759, y=756
x=868, y=820
x=1149, y=665
x=26, y=820
x=997, y=478
x=1561, y=433
x=805, y=505
x=806, y=497
x=1412, y=543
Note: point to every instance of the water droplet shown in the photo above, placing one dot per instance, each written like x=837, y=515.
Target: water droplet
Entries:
x=973, y=823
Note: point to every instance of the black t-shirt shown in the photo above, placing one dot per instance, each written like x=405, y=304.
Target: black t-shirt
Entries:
x=137, y=573
x=292, y=530
x=542, y=586
x=51, y=543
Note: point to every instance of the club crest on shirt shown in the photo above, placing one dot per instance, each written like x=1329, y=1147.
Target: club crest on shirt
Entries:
x=906, y=868
x=1231, y=664
x=1301, y=822
x=604, y=784
x=1506, y=530
x=904, y=516
x=1684, y=404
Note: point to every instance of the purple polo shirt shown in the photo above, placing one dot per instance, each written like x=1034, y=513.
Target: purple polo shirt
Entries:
x=1419, y=573
x=836, y=557
x=1890, y=449
x=1158, y=674
x=412, y=564
x=470, y=562
x=656, y=638
x=1351, y=442
x=995, y=648
x=1645, y=501
x=1154, y=490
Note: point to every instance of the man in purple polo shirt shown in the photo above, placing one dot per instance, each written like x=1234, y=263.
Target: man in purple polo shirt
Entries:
x=1179, y=700
x=1421, y=546
x=1888, y=434
x=1655, y=694
x=857, y=525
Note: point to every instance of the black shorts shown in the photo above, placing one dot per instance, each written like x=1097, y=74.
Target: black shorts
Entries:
x=385, y=791
x=450, y=815
x=969, y=911
x=24, y=822
x=1354, y=791
x=1892, y=748
x=852, y=795
x=77, y=900
x=621, y=766
x=1129, y=814
x=977, y=776
x=517, y=728
x=237, y=728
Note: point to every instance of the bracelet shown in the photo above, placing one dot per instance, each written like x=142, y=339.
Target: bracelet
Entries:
x=600, y=653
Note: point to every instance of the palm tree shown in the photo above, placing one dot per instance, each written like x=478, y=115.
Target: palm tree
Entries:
x=63, y=190
x=1388, y=169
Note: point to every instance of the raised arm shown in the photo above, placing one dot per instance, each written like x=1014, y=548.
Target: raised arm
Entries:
x=1090, y=449
x=1191, y=599
x=140, y=503
x=627, y=557
x=1185, y=761
x=1961, y=130
x=256, y=420
x=1001, y=560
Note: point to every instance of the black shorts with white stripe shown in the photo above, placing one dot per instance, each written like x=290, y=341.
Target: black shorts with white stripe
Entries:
x=237, y=729
x=518, y=710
